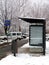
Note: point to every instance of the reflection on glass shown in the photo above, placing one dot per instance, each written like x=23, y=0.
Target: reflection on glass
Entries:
x=36, y=35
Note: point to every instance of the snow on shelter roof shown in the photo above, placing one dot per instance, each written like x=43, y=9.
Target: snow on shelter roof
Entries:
x=33, y=20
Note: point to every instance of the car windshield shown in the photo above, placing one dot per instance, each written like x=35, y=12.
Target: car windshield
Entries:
x=14, y=34
x=18, y=33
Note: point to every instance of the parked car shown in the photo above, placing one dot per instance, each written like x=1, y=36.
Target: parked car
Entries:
x=14, y=35
x=47, y=37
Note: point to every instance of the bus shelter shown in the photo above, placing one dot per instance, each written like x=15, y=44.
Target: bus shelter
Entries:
x=37, y=33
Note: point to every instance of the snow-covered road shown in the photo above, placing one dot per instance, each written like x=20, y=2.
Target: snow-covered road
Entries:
x=26, y=59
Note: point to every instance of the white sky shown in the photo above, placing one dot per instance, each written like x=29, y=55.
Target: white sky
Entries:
x=39, y=1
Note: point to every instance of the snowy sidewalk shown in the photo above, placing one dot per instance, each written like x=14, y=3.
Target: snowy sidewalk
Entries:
x=26, y=59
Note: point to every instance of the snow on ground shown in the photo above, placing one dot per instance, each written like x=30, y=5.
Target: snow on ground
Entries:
x=26, y=59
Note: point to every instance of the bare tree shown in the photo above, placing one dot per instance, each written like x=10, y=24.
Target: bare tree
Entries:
x=11, y=10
